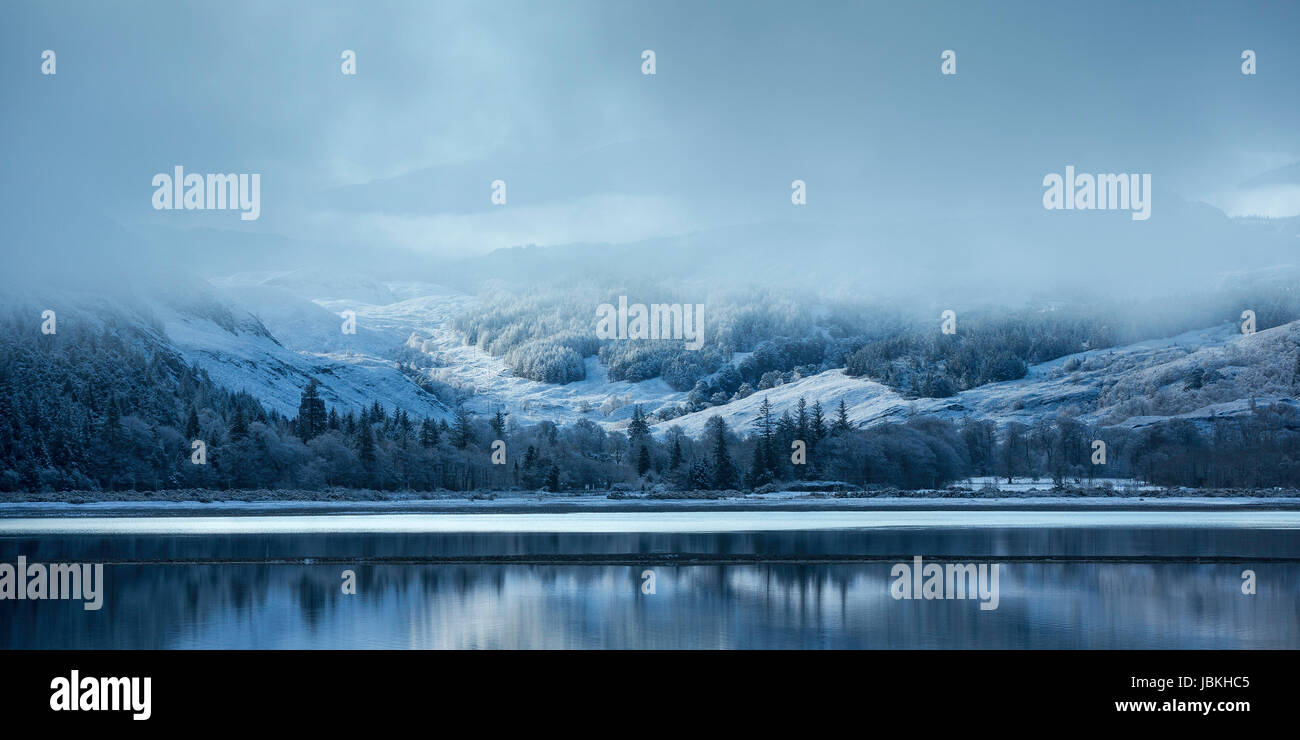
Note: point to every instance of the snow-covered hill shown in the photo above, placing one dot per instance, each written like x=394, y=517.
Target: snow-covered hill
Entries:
x=212, y=327
x=1134, y=385
x=269, y=333
x=303, y=311
x=1196, y=375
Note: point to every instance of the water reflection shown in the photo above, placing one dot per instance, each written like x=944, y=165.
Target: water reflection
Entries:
x=1043, y=605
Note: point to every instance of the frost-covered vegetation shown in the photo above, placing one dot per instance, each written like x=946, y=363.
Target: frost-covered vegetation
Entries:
x=542, y=336
x=113, y=409
x=756, y=340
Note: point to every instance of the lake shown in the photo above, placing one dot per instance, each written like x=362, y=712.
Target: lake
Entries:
x=823, y=579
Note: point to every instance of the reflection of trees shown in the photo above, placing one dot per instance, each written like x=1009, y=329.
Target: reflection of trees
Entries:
x=164, y=603
x=764, y=605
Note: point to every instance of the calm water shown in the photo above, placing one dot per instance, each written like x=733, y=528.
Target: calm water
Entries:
x=524, y=581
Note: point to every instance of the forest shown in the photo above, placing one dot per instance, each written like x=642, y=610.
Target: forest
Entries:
x=112, y=409
x=544, y=334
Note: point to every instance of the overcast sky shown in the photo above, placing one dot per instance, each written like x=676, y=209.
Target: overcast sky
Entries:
x=549, y=97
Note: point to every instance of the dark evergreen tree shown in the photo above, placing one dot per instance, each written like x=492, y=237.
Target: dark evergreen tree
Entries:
x=312, y=417
x=766, y=427
x=238, y=426
x=366, y=449
x=724, y=473
x=700, y=477
x=192, y=425
x=498, y=424
x=759, y=470
x=428, y=433
x=637, y=429
x=817, y=426
x=841, y=425
x=464, y=433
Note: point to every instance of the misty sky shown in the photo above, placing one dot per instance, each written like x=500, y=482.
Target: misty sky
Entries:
x=549, y=97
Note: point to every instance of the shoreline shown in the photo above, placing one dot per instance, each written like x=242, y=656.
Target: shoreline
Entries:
x=515, y=503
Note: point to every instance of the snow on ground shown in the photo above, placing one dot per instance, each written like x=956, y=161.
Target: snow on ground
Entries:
x=302, y=311
x=424, y=317
x=1048, y=388
x=245, y=360
x=1046, y=484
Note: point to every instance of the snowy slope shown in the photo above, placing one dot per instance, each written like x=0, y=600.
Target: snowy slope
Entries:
x=242, y=358
x=269, y=333
x=1134, y=386
x=302, y=310
x=205, y=326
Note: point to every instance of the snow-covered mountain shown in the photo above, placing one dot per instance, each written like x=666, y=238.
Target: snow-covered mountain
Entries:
x=269, y=333
x=303, y=314
x=1199, y=374
x=219, y=329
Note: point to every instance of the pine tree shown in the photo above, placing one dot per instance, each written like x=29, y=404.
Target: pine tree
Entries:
x=643, y=461
x=553, y=479
x=428, y=433
x=238, y=426
x=785, y=434
x=817, y=426
x=498, y=424
x=700, y=477
x=464, y=429
x=637, y=429
x=841, y=424
x=801, y=430
x=758, y=469
x=312, y=418
x=767, y=433
x=366, y=449
x=724, y=473
x=402, y=426
x=676, y=460
x=192, y=425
